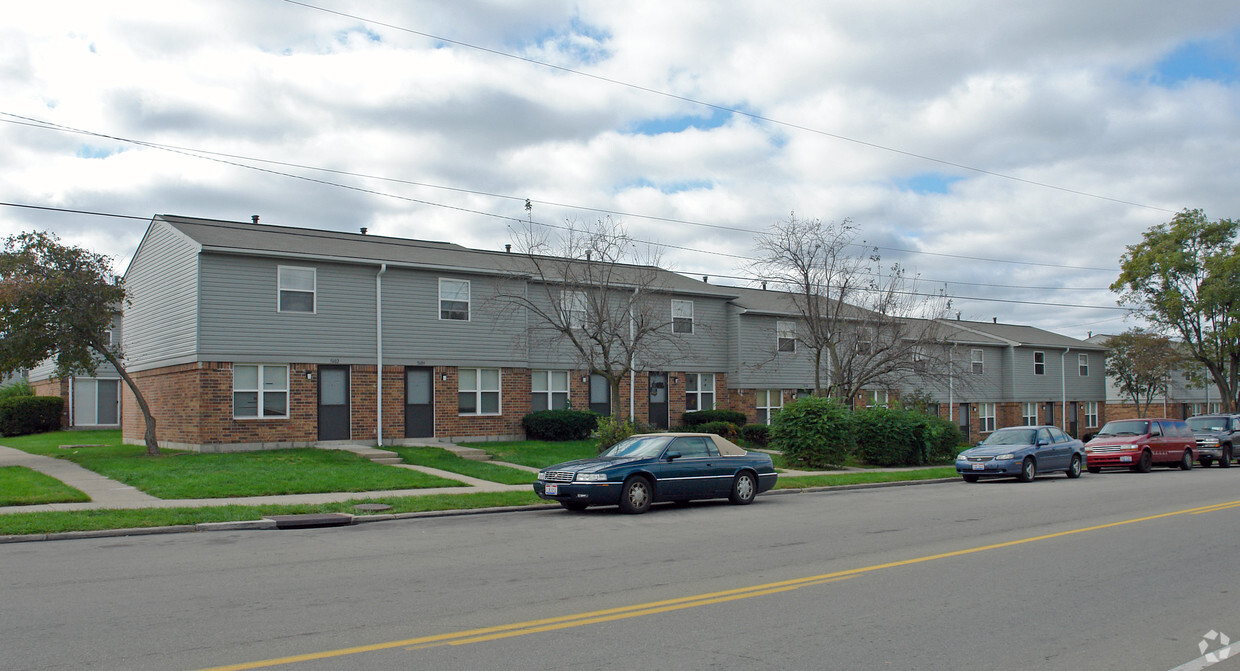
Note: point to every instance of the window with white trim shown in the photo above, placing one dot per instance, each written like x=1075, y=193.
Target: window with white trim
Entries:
x=1039, y=363
x=865, y=341
x=682, y=316
x=297, y=289
x=573, y=305
x=548, y=390
x=699, y=391
x=977, y=361
x=769, y=402
x=453, y=299
x=1029, y=414
x=96, y=401
x=986, y=416
x=260, y=391
x=478, y=391
x=919, y=357
x=876, y=398
x=1091, y=414
x=107, y=338
x=1082, y=364
x=786, y=336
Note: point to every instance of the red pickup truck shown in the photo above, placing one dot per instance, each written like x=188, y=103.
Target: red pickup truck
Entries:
x=1138, y=444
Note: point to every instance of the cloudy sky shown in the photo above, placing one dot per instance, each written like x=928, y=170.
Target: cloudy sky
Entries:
x=1003, y=151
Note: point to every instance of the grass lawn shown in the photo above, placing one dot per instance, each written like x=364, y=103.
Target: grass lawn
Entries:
x=855, y=478
x=20, y=486
x=190, y=475
x=437, y=457
x=538, y=453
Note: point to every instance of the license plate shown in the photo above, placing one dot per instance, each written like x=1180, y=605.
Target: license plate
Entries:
x=1125, y=459
x=552, y=490
x=979, y=467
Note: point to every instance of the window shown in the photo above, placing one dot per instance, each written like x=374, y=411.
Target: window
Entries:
x=297, y=289
x=260, y=391
x=478, y=391
x=919, y=359
x=1091, y=414
x=549, y=390
x=786, y=336
x=107, y=338
x=876, y=398
x=700, y=391
x=977, y=361
x=682, y=316
x=1039, y=363
x=96, y=402
x=769, y=403
x=1082, y=363
x=573, y=305
x=1029, y=414
x=986, y=416
x=865, y=338
x=454, y=299
x=693, y=446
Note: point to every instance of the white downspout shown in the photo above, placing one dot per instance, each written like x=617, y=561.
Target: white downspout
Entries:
x=1063, y=382
x=951, y=379
x=633, y=367
x=379, y=354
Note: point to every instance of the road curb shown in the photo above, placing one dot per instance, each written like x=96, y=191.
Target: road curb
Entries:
x=267, y=524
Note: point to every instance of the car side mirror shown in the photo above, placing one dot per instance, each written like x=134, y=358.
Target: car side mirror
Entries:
x=1042, y=442
x=671, y=456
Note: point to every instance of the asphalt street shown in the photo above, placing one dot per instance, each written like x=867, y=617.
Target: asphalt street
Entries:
x=1112, y=571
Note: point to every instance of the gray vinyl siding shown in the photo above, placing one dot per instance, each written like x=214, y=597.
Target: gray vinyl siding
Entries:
x=240, y=319
x=703, y=351
x=761, y=366
x=986, y=387
x=1056, y=382
x=161, y=317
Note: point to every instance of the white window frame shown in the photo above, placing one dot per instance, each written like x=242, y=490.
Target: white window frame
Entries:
x=768, y=403
x=469, y=312
x=986, y=417
x=281, y=289
x=75, y=419
x=573, y=307
x=977, y=361
x=551, y=389
x=1082, y=365
x=107, y=337
x=261, y=391
x=864, y=344
x=679, y=318
x=1091, y=414
x=876, y=398
x=785, y=336
x=1029, y=414
x=919, y=357
x=1039, y=363
x=697, y=393
x=476, y=374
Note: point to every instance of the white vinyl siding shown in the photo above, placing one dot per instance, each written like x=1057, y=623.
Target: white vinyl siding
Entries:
x=260, y=391
x=479, y=391
x=297, y=289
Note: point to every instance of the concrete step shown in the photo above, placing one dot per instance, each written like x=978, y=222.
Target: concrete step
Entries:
x=386, y=460
x=467, y=452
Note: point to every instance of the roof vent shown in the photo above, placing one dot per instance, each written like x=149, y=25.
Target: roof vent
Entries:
x=706, y=279
x=957, y=316
x=508, y=248
x=994, y=320
x=363, y=230
x=254, y=218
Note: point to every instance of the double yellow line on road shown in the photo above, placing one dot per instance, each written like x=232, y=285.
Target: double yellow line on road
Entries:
x=611, y=614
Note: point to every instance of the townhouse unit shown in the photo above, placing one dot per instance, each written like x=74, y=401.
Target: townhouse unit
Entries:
x=91, y=402
x=1182, y=396
x=249, y=336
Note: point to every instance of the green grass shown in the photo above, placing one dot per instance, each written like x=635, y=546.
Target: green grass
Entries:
x=20, y=486
x=437, y=457
x=538, y=453
x=855, y=478
x=190, y=475
x=90, y=520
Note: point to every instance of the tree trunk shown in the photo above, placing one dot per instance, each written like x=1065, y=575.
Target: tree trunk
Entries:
x=152, y=445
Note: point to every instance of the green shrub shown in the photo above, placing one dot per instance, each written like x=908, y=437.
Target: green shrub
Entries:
x=609, y=432
x=23, y=415
x=559, y=424
x=699, y=417
x=726, y=429
x=756, y=434
x=814, y=431
x=896, y=437
x=16, y=389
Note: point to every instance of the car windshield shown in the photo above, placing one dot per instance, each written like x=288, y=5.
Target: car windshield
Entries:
x=638, y=446
x=1128, y=427
x=1208, y=423
x=1011, y=437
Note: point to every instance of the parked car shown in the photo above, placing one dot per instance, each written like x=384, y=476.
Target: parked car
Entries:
x=1216, y=435
x=1022, y=452
x=651, y=467
x=1138, y=444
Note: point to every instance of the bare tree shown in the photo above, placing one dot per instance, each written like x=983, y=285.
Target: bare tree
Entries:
x=593, y=295
x=866, y=326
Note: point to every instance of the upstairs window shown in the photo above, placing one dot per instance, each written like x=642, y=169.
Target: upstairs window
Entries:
x=107, y=338
x=1082, y=363
x=454, y=299
x=919, y=359
x=573, y=306
x=786, y=336
x=865, y=340
x=977, y=360
x=682, y=316
x=297, y=289
x=1039, y=363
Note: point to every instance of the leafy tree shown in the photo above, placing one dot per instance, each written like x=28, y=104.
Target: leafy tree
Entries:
x=1141, y=363
x=1184, y=279
x=56, y=301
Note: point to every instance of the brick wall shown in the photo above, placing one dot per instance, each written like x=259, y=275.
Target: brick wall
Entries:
x=55, y=386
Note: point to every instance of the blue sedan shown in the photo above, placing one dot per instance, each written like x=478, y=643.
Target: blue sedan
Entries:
x=646, y=468
x=1022, y=452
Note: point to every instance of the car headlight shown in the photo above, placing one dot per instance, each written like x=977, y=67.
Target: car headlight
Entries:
x=1005, y=457
x=962, y=457
x=591, y=477
x=542, y=475
x=1209, y=441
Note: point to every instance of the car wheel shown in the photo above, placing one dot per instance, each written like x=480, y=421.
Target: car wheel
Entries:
x=1074, y=467
x=744, y=488
x=1028, y=470
x=575, y=506
x=1206, y=461
x=969, y=477
x=1186, y=461
x=1225, y=462
x=1095, y=469
x=636, y=495
x=1145, y=463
